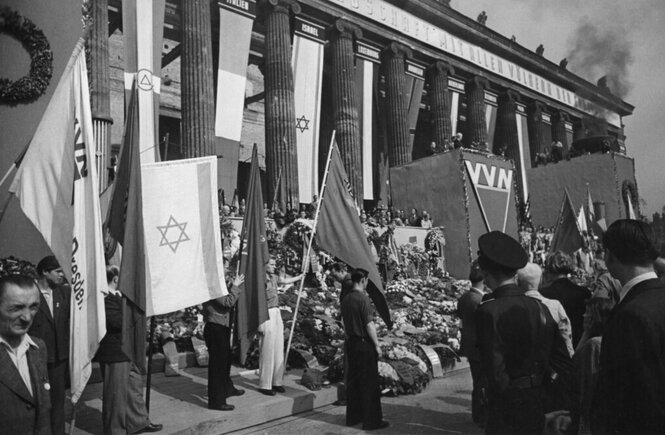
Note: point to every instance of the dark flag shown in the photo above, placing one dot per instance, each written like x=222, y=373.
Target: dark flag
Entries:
x=125, y=224
x=252, y=303
x=340, y=233
x=567, y=235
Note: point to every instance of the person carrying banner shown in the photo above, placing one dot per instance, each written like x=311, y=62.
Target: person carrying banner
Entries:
x=24, y=383
x=51, y=324
x=363, y=401
x=217, y=335
x=123, y=408
x=271, y=359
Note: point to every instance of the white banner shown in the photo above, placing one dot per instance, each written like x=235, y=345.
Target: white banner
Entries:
x=56, y=185
x=307, y=77
x=182, y=235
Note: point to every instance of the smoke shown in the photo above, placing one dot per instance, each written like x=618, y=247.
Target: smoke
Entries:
x=599, y=52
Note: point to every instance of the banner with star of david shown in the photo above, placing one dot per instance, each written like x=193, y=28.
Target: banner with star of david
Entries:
x=182, y=235
x=307, y=65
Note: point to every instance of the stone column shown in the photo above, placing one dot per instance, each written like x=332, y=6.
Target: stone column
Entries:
x=437, y=78
x=506, y=133
x=100, y=92
x=345, y=102
x=197, y=90
x=559, y=119
x=476, y=124
x=393, y=58
x=280, y=111
x=536, y=126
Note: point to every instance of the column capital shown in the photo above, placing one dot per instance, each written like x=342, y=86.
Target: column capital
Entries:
x=439, y=67
x=477, y=82
x=282, y=6
x=344, y=29
x=535, y=109
x=509, y=96
x=396, y=50
x=560, y=116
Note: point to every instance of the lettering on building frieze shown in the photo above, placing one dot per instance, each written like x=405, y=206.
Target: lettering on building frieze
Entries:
x=310, y=30
x=415, y=70
x=368, y=52
x=244, y=7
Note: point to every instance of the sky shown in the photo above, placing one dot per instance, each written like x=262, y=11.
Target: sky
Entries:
x=622, y=38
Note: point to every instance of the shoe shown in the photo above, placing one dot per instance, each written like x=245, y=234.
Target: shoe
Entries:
x=267, y=392
x=237, y=392
x=339, y=403
x=224, y=407
x=151, y=428
x=384, y=424
x=278, y=389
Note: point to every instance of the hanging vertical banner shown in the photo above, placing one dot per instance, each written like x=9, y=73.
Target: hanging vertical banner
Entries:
x=456, y=88
x=490, y=117
x=415, y=81
x=525, y=155
x=307, y=65
x=235, y=33
x=366, y=72
x=143, y=30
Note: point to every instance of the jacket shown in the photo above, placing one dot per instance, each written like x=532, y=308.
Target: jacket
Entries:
x=219, y=310
x=630, y=393
x=20, y=412
x=54, y=329
x=110, y=348
x=573, y=298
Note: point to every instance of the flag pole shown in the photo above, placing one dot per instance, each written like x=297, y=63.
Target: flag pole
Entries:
x=309, y=245
x=16, y=163
x=274, y=196
x=149, y=375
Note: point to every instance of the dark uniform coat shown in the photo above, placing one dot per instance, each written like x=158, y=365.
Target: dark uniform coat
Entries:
x=630, y=394
x=20, y=411
x=54, y=329
x=573, y=298
x=520, y=348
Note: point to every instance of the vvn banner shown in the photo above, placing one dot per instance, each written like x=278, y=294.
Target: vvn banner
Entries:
x=235, y=33
x=56, y=185
x=307, y=77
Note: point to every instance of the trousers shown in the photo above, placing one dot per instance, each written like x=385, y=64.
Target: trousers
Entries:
x=271, y=359
x=220, y=386
x=123, y=406
x=363, y=397
x=57, y=375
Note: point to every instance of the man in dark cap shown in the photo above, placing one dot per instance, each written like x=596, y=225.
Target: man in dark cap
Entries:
x=521, y=349
x=51, y=324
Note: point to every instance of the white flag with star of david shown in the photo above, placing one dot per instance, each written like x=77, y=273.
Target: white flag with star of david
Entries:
x=182, y=235
x=307, y=62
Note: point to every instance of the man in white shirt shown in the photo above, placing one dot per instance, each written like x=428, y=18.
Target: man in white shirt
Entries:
x=24, y=382
x=629, y=395
x=528, y=279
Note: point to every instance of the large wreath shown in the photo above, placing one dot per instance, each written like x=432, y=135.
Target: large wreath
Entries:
x=33, y=85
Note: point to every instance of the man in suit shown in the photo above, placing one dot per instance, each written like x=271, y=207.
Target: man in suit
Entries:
x=521, y=349
x=123, y=407
x=630, y=394
x=24, y=386
x=466, y=311
x=51, y=324
x=572, y=296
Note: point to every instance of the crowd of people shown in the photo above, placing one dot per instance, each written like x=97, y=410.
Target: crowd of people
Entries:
x=548, y=355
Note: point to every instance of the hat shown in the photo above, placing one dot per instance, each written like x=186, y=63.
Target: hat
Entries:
x=502, y=250
x=47, y=264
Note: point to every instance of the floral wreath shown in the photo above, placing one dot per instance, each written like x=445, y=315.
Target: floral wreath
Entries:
x=33, y=85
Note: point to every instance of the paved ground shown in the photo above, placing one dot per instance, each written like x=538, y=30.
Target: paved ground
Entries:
x=444, y=408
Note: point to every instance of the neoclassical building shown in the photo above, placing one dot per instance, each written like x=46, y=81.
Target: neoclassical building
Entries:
x=395, y=80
